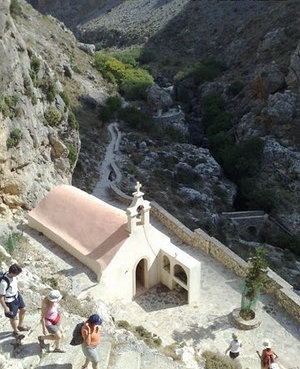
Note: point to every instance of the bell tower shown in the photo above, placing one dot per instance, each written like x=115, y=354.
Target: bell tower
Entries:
x=138, y=213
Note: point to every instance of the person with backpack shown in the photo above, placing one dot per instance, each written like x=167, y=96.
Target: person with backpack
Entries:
x=90, y=332
x=50, y=320
x=234, y=347
x=11, y=299
x=267, y=357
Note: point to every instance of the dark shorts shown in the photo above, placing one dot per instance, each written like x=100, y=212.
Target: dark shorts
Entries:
x=233, y=355
x=14, y=306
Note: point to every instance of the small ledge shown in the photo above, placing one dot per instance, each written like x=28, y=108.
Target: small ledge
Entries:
x=242, y=324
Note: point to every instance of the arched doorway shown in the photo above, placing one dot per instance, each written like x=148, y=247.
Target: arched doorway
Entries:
x=141, y=277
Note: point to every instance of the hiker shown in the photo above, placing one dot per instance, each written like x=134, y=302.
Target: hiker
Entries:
x=91, y=338
x=234, y=347
x=50, y=320
x=11, y=299
x=268, y=356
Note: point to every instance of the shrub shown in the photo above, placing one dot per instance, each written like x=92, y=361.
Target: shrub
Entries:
x=132, y=82
x=73, y=122
x=53, y=116
x=220, y=192
x=72, y=155
x=15, y=8
x=286, y=241
x=35, y=64
x=243, y=159
x=15, y=137
x=47, y=85
x=130, y=57
x=65, y=98
x=206, y=70
x=137, y=119
x=218, y=361
x=8, y=105
x=111, y=108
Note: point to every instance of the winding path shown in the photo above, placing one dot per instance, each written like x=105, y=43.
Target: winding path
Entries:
x=108, y=170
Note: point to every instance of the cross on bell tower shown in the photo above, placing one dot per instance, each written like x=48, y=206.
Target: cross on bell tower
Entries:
x=138, y=213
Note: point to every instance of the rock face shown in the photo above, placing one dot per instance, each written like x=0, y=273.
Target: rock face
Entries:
x=183, y=178
x=34, y=129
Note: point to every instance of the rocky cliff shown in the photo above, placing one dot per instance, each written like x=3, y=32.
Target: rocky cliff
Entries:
x=39, y=132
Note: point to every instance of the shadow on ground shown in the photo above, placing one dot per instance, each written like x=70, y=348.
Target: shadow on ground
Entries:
x=160, y=297
x=197, y=333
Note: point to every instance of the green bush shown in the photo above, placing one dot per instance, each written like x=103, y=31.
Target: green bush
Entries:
x=290, y=242
x=137, y=119
x=15, y=8
x=35, y=64
x=206, y=70
x=72, y=155
x=130, y=57
x=242, y=159
x=111, y=108
x=53, y=116
x=15, y=137
x=8, y=105
x=73, y=122
x=132, y=82
x=47, y=85
x=65, y=98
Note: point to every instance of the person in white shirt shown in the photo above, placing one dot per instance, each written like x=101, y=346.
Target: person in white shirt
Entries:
x=234, y=347
x=11, y=299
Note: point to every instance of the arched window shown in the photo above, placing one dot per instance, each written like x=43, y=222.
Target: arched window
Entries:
x=180, y=273
x=166, y=263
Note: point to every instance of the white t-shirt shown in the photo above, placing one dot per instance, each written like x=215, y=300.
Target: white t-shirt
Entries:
x=235, y=346
x=12, y=291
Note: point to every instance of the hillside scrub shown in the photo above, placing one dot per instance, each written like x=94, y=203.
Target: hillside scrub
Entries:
x=111, y=108
x=205, y=70
x=137, y=119
x=53, y=116
x=132, y=82
x=15, y=137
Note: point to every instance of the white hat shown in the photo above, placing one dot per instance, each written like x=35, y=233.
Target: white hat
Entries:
x=267, y=344
x=54, y=296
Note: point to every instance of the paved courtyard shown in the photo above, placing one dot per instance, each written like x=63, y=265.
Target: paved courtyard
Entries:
x=207, y=326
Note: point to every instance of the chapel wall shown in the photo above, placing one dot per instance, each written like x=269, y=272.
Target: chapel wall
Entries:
x=282, y=291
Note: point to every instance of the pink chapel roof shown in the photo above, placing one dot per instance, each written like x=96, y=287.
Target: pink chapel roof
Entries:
x=96, y=229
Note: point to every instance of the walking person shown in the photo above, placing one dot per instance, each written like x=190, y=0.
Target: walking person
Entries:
x=11, y=299
x=51, y=320
x=268, y=356
x=234, y=347
x=91, y=338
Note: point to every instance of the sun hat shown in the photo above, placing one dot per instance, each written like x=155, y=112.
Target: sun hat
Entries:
x=95, y=319
x=54, y=296
x=267, y=344
x=234, y=336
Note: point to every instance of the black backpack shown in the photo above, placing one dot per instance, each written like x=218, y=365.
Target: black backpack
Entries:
x=77, y=338
x=3, y=277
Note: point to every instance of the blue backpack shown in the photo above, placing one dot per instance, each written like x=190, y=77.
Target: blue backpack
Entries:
x=77, y=338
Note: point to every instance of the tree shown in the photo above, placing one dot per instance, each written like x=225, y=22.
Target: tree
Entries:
x=255, y=278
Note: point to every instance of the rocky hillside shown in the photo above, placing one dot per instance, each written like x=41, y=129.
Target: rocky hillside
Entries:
x=113, y=22
x=43, y=74
x=235, y=70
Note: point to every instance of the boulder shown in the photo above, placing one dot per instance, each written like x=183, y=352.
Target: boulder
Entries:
x=68, y=71
x=158, y=99
x=87, y=48
x=271, y=78
x=281, y=107
x=272, y=40
x=293, y=78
